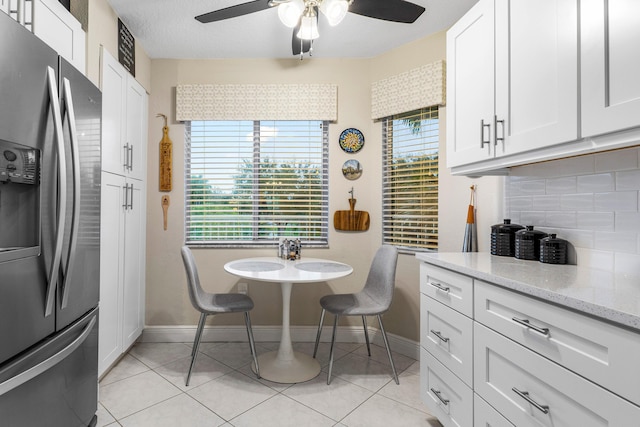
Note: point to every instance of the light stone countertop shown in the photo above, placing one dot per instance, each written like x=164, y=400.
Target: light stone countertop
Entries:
x=608, y=296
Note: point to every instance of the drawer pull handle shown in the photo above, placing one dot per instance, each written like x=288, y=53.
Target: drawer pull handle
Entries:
x=439, y=286
x=525, y=395
x=437, y=334
x=527, y=324
x=439, y=396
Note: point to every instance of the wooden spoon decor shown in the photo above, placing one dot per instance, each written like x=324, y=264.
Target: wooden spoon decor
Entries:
x=351, y=220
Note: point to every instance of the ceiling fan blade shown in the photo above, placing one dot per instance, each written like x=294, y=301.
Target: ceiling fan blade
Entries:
x=388, y=10
x=298, y=47
x=234, y=11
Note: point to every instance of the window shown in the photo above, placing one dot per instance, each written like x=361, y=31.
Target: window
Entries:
x=250, y=183
x=410, y=180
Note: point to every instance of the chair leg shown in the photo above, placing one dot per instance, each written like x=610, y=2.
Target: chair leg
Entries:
x=196, y=345
x=333, y=341
x=247, y=321
x=198, y=333
x=366, y=334
x=386, y=343
x=315, y=349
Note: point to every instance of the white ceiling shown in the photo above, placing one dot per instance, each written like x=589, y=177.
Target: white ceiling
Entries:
x=167, y=29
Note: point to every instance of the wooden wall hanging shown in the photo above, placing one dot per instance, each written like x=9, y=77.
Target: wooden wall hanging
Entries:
x=351, y=220
x=166, y=157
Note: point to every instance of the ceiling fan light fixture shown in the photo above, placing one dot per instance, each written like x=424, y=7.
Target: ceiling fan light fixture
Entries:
x=334, y=10
x=289, y=12
x=308, y=26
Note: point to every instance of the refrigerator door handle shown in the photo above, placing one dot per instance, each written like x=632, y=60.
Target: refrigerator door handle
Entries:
x=48, y=363
x=73, y=239
x=62, y=191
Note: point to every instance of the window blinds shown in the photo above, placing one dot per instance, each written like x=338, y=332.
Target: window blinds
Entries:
x=410, y=179
x=254, y=182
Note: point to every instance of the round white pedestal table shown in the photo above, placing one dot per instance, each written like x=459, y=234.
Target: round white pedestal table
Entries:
x=285, y=365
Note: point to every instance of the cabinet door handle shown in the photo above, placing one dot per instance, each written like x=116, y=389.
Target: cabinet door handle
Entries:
x=126, y=156
x=131, y=199
x=495, y=127
x=438, y=394
x=439, y=335
x=126, y=196
x=439, y=286
x=130, y=157
x=525, y=395
x=482, y=139
x=527, y=324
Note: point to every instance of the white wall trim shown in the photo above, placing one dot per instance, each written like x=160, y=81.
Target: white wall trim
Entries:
x=346, y=334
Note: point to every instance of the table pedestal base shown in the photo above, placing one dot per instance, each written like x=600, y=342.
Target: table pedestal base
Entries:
x=296, y=369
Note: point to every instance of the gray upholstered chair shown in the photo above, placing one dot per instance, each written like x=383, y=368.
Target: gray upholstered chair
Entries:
x=208, y=303
x=373, y=300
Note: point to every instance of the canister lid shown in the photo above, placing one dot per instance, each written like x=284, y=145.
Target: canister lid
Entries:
x=530, y=234
x=506, y=227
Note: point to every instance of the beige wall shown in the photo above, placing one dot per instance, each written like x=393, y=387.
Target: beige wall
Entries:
x=103, y=32
x=167, y=300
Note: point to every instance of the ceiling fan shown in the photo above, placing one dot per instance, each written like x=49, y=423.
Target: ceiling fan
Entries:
x=302, y=15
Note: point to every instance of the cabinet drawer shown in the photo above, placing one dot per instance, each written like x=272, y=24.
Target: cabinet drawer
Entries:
x=447, y=335
x=450, y=288
x=485, y=416
x=530, y=390
x=447, y=398
x=606, y=354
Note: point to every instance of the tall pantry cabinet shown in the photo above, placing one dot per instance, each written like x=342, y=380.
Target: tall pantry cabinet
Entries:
x=122, y=246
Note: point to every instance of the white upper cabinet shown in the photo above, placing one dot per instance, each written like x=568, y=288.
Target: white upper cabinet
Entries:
x=53, y=24
x=512, y=79
x=533, y=81
x=610, y=48
x=536, y=74
x=124, y=128
x=470, y=86
x=114, y=114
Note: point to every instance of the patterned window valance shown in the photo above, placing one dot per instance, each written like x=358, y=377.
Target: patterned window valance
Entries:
x=418, y=88
x=257, y=102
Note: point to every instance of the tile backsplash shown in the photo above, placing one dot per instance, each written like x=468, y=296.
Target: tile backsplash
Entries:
x=592, y=201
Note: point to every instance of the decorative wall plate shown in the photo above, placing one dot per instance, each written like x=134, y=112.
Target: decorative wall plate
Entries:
x=351, y=169
x=351, y=140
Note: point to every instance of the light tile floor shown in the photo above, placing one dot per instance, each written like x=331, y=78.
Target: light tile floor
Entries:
x=146, y=388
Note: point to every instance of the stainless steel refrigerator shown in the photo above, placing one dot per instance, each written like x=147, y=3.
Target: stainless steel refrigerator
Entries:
x=49, y=235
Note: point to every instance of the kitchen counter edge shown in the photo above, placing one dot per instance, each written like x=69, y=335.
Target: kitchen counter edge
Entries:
x=598, y=293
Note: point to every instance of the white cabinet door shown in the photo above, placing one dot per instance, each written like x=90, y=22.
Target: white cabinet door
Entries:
x=536, y=74
x=448, y=336
x=610, y=40
x=124, y=120
x=448, y=399
x=134, y=263
x=111, y=270
x=531, y=391
x=136, y=136
x=485, y=416
x=470, y=86
x=53, y=24
x=4, y=6
x=114, y=114
x=122, y=266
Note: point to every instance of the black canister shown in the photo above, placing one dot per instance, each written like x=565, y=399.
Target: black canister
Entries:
x=553, y=250
x=503, y=238
x=528, y=243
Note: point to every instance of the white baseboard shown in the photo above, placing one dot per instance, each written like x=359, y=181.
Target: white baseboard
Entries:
x=347, y=334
